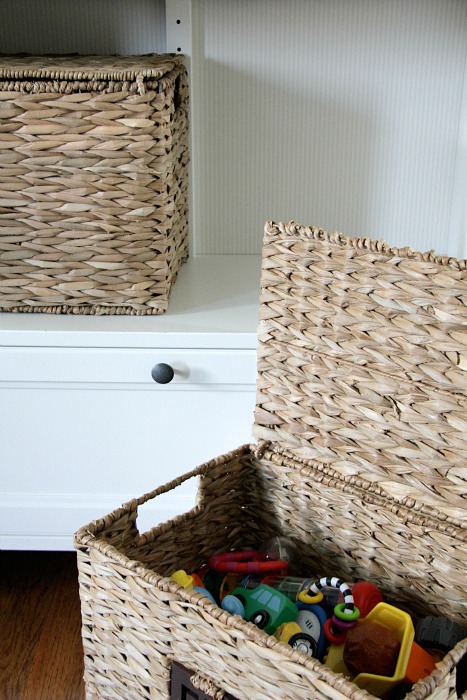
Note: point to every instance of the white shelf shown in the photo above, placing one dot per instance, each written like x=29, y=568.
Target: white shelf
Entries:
x=214, y=303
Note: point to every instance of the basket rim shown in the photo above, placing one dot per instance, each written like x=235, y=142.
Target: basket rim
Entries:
x=88, y=66
x=296, y=231
x=411, y=510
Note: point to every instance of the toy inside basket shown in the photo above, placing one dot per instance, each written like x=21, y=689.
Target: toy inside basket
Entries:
x=360, y=405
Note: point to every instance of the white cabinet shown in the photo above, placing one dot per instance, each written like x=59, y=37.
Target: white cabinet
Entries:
x=83, y=425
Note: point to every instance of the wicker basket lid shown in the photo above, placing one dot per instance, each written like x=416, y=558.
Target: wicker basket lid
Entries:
x=362, y=362
x=76, y=67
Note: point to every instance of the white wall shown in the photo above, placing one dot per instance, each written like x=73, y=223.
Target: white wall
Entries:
x=347, y=114
x=339, y=113
x=82, y=26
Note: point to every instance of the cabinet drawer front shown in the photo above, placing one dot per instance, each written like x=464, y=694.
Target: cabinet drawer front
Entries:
x=95, y=365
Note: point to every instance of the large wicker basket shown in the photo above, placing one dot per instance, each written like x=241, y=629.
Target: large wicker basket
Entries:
x=361, y=408
x=93, y=182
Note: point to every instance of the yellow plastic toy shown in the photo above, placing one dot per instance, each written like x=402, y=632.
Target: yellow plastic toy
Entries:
x=285, y=631
x=182, y=578
x=401, y=624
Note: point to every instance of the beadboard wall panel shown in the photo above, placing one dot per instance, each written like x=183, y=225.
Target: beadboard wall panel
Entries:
x=349, y=114
x=340, y=113
x=82, y=26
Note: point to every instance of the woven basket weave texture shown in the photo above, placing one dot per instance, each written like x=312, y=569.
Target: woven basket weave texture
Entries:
x=93, y=182
x=363, y=362
x=404, y=530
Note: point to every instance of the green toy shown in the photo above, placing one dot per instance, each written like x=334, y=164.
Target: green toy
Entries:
x=266, y=607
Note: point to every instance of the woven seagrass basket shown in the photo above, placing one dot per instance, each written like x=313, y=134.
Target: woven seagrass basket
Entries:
x=360, y=460
x=93, y=182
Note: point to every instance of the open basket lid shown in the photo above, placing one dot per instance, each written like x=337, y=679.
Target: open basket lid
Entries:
x=362, y=363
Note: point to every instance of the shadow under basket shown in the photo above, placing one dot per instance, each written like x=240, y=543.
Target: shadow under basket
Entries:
x=399, y=523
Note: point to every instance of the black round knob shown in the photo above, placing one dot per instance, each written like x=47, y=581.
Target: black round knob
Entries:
x=162, y=373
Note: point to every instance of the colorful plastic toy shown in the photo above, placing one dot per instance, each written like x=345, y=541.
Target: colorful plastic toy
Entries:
x=220, y=584
x=228, y=584
x=438, y=634
x=266, y=607
x=420, y=664
x=182, y=578
x=306, y=633
x=345, y=614
x=233, y=605
x=245, y=562
x=212, y=581
x=290, y=586
x=391, y=618
x=366, y=595
x=371, y=642
x=279, y=548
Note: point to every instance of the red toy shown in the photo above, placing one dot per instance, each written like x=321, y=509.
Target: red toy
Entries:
x=246, y=562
